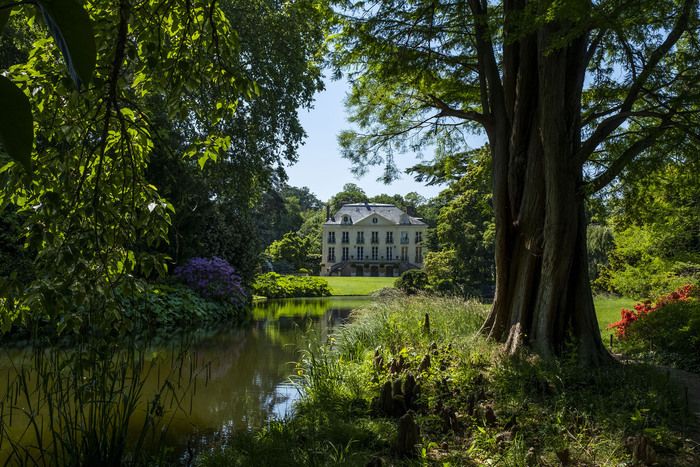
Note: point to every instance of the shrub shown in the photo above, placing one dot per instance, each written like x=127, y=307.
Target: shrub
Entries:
x=642, y=309
x=665, y=332
x=412, y=281
x=273, y=285
x=669, y=336
x=162, y=306
x=212, y=278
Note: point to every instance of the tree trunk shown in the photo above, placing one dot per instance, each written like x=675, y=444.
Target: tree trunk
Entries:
x=543, y=294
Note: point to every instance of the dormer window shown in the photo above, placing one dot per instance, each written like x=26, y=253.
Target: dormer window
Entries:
x=346, y=219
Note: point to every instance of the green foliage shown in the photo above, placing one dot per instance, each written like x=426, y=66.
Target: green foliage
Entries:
x=440, y=268
x=600, y=242
x=16, y=132
x=638, y=269
x=412, y=281
x=463, y=263
x=295, y=250
x=160, y=307
x=656, y=240
x=351, y=193
x=72, y=31
x=273, y=285
x=162, y=157
x=89, y=207
x=669, y=335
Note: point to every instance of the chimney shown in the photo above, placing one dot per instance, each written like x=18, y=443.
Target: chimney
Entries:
x=328, y=212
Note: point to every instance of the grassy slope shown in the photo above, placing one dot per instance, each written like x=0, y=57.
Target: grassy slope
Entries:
x=558, y=410
x=358, y=285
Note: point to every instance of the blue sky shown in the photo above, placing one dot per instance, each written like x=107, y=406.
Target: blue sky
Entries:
x=320, y=166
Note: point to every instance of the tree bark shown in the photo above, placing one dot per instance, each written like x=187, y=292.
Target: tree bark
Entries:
x=543, y=296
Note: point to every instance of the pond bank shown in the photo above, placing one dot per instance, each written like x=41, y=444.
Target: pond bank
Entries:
x=471, y=406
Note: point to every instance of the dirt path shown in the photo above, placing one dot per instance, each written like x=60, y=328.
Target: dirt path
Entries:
x=691, y=383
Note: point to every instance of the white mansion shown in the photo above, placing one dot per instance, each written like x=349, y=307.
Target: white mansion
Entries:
x=371, y=240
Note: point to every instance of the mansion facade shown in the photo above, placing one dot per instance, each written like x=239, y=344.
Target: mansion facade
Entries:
x=367, y=239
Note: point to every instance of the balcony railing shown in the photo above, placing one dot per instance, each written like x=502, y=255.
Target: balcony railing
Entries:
x=404, y=241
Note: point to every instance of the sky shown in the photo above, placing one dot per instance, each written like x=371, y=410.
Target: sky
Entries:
x=320, y=166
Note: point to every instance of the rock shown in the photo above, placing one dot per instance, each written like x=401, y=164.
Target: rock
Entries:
x=408, y=435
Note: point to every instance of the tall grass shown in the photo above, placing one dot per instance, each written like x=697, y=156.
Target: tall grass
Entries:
x=85, y=406
x=474, y=406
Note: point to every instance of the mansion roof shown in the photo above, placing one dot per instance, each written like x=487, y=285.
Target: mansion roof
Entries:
x=357, y=212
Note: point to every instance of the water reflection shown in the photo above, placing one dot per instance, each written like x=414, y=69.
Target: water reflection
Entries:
x=243, y=372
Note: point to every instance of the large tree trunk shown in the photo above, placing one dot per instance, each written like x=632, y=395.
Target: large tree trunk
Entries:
x=543, y=294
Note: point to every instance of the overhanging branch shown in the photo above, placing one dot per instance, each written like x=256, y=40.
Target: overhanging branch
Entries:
x=625, y=158
x=609, y=125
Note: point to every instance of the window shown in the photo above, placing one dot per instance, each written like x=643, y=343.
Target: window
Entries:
x=419, y=254
x=331, y=237
x=375, y=237
x=404, y=253
x=346, y=253
x=360, y=252
x=375, y=252
x=390, y=237
x=346, y=237
x=346, y=220
x=331, y=254
x=389, y=253
x=404, y=238
x=374, y=220
x=360, y=237
x=419, y=237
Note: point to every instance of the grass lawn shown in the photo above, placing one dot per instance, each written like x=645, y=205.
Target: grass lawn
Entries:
x=357, y=285
x=608, y=311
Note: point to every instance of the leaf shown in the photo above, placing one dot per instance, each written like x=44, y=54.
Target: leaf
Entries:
x=16, y=127
x=4, y=16
x=71, y=28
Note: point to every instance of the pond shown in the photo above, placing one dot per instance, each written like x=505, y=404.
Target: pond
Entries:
x=241, y=375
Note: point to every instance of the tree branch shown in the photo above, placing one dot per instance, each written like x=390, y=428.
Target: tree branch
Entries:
x=447, y=111
x=610, y=124
x=625, y=158
x=492, y=92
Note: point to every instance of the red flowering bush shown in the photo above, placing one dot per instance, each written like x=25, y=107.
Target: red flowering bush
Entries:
x=627, y=317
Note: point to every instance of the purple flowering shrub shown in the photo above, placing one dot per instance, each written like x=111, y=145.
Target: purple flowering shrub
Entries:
x=212, y=278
